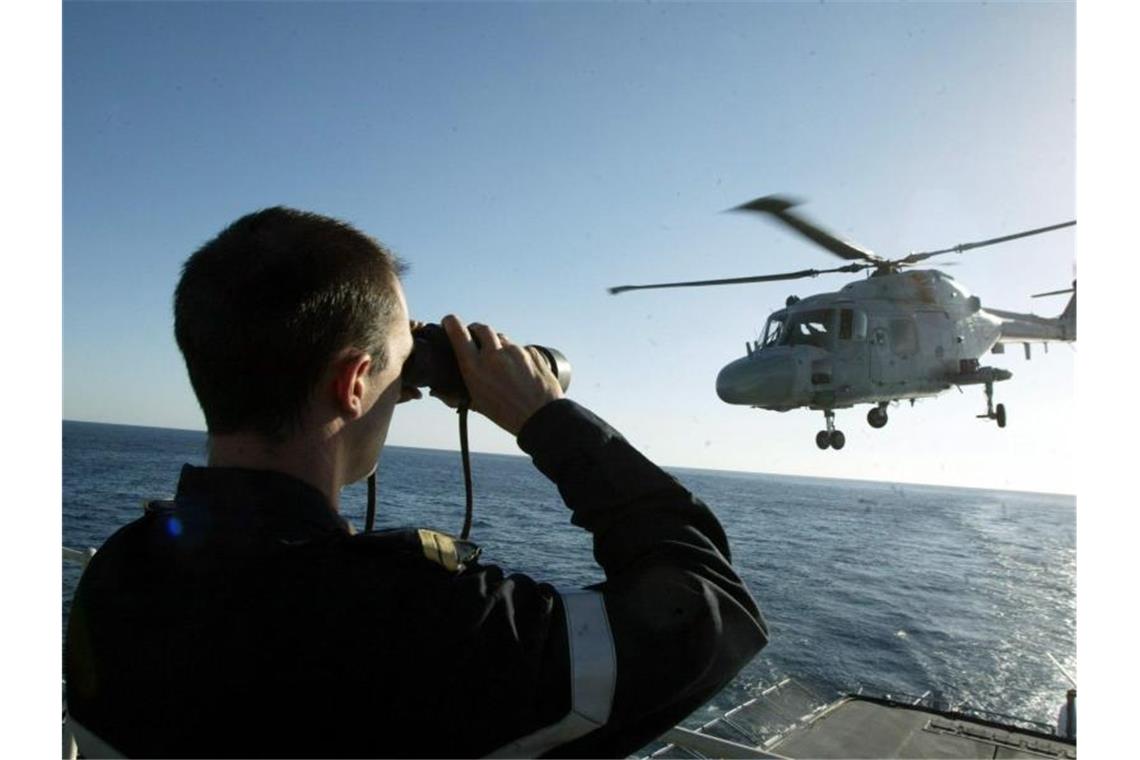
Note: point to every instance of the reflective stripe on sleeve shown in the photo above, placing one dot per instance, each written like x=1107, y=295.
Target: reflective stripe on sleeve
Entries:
x=90, y=745
x=593, y=673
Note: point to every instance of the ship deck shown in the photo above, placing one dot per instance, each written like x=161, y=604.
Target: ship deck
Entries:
x=861, y=727
x=784, y=722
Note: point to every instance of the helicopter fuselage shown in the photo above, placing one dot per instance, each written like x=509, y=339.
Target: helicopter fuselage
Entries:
x=898, y=334
x=888, y=337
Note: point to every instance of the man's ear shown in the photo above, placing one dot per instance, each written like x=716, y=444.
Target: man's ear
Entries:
x=350, y=373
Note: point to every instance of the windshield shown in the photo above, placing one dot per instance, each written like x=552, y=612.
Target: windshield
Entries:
x=774, y=330
x=813, y=328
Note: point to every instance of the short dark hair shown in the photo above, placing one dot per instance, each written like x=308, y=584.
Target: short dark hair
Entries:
x=262, y=308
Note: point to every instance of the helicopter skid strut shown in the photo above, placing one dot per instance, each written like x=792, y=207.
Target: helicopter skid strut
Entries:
x=830, y=438
x=992, y=412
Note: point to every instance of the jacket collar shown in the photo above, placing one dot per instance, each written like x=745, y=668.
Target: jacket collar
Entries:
x=262, y=500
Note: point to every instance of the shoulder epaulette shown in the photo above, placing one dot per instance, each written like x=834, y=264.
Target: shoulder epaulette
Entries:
x=452, y=554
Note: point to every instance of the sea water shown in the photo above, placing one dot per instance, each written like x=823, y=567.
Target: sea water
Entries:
x=899, y=589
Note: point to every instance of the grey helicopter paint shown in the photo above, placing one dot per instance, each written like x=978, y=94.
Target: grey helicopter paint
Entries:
x=899, y=334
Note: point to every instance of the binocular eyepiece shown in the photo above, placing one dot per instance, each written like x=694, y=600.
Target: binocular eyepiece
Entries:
x=432, y=363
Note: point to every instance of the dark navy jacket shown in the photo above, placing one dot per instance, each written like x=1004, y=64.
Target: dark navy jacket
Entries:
x=244, y=619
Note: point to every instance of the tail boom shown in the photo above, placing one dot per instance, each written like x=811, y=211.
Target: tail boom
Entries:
x=1022, y=328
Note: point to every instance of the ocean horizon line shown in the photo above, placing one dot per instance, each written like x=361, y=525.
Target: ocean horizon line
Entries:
x=668, y=466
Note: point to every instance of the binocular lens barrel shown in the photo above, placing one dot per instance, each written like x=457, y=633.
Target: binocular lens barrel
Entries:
x=432, y=363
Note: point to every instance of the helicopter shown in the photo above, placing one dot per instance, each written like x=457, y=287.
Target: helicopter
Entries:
x=898, y=334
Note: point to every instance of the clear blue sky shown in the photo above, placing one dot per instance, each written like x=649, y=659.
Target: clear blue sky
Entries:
x=522, y=157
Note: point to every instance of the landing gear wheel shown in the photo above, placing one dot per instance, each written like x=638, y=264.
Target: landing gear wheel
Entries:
x=993, y=412
x=877, y=417
x=823, y=439
x=837, y=439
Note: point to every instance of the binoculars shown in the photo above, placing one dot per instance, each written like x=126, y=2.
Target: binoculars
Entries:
x=432, y=363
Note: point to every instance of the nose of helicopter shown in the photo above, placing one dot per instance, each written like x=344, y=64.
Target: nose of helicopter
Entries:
x=757, y=379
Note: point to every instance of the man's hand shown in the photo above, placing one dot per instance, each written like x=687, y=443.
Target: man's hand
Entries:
x=507, y=383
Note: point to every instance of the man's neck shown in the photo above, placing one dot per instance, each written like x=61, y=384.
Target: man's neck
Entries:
x=310, y=458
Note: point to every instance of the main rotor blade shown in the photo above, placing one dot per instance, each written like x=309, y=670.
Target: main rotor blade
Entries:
x=1052, y=293
x=741, y=280
x=961, y=248
x=779, y=206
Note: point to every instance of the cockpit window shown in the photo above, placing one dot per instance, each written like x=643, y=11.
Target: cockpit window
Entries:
x=813, y=328
x=810, y=328
x=774, y=330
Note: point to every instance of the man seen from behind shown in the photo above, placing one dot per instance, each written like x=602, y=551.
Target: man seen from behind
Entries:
x=245, y=618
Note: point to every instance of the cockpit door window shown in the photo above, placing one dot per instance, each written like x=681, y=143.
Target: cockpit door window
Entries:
x=852, y=324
